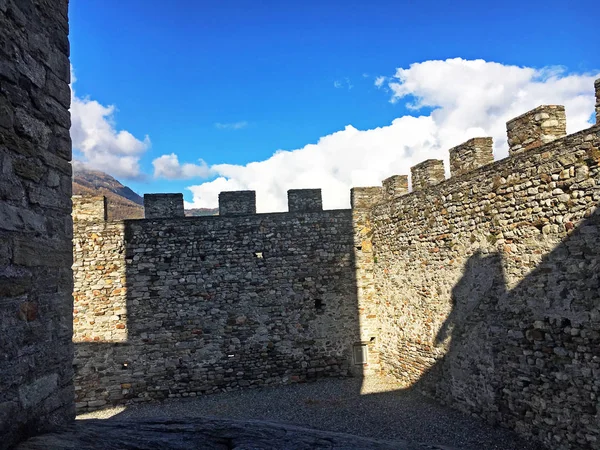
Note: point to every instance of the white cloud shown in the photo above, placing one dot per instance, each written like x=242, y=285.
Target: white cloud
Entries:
x=379, y=81
x=469, y=98
x=167, y=166
x=101, y=145
x=232, y=125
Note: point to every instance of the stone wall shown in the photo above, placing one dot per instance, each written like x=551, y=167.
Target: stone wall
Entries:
x=536, y=127
x=474, y=153
x=489, y=294
x=427, y=173
x=157, y=206
x=597, y=88
x=89, y=208
x=36, y=391
x=233, y=203
x=188, y=306
x=305, y=200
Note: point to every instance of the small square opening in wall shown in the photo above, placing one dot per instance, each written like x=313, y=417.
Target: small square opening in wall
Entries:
x=360, y=353
x=258, y=255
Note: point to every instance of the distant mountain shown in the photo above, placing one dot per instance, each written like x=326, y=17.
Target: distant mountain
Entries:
x=123, y=203
x=197, y=212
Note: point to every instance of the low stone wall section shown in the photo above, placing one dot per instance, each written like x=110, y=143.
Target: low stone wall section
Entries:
x=183, y=307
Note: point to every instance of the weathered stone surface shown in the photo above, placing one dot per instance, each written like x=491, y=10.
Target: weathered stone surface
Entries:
x=189, y=306
x=157, y=206
x=395, y=186
x=470, y=155
x=209, y=434
x=36, y=390
x=234, y=203
x=427, y=173
x=597, y=89
x=89, y=208
x=304, y=200
x=535, y=128
x=489, y=295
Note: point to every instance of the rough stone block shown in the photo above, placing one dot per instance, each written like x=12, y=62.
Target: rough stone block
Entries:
x=87, y=208
x=427, y=173
x=395, y=186
x=535, y=128
x=470, y=155
x=235, y=203
x=304, y=200
x=365, y=197
x=161, y=206
x=597, y=89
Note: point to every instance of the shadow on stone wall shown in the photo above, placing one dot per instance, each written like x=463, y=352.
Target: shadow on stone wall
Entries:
x=526, y=358
x=215, y=304
x=523, y=358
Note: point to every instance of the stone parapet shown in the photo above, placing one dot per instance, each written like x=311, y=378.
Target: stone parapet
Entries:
x=235, y=203
x=88, y=208
x=365, y=197
x=427, y=173
x=162, y=206
x=395, y=186
x=470, y=155
x=537, y=127
x=303, y=200
x=597, y=89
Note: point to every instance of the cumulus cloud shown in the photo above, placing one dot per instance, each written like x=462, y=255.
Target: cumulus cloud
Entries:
x=462, y=99
x=379, y=81
x=96, y=138
x=168, y=166
x=232, y=125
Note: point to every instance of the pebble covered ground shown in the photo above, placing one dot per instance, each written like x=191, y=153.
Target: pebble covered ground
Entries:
x=378, y=409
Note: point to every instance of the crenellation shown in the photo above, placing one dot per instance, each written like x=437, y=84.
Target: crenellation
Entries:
x=365, y=197
x=394, y=186
x=597, y=89
x=537, y=127
x=427, y=173
x=235, y=203
x=89, y=208
x=304, y=200
x=163, y=206
x=472, y=154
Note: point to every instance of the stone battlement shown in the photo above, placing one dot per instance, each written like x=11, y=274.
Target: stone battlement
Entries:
x=246, y=299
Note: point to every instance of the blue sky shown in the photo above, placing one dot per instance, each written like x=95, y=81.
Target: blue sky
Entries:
x=184, y=73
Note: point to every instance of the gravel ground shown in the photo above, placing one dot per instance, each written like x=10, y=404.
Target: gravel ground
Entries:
x=380, y=409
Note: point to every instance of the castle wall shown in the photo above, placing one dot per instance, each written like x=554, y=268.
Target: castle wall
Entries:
x=36, y=391
x=188, y=306
x=489, y=290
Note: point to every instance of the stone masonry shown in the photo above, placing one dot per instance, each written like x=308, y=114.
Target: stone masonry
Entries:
x=481, y=291
x=536, y=127
x=394, y=186
x=305, y=200
x=474, y=153
x=188, y=306
x=157, y=206
x=36, y=388
x=489, y=294
x=428, y=173
x=597, y=89
x=234, y=203
x=89, y=208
